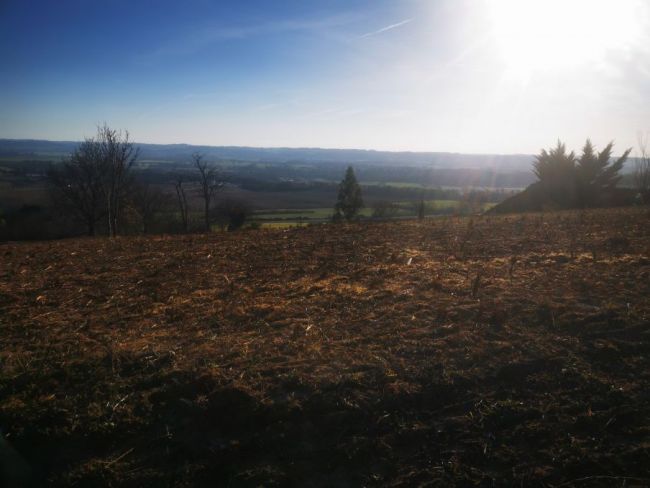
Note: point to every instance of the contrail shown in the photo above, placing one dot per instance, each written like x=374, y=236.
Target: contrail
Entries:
x=387, y=28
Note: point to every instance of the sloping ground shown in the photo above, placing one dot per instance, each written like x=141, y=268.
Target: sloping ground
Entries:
x=535, y=199
x=499, y=350
x=532, y=199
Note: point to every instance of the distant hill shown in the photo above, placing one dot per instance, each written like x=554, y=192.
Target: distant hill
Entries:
x=32, y=148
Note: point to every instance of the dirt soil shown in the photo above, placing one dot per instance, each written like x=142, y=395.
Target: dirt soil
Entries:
x=492, y=351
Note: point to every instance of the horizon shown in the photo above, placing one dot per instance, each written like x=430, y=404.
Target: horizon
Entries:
x=411, y=76
x=631, y=158
x=77, y=141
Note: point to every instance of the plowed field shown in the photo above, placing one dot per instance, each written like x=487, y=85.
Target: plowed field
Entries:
x=472, y=352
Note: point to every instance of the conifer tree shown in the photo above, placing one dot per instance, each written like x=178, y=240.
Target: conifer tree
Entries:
x=595, y=173
x=556, y=172
x=349, y=200
x=578, y=181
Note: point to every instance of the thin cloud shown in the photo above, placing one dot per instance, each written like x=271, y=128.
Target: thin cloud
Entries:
x=386, y=28
x=211, y=34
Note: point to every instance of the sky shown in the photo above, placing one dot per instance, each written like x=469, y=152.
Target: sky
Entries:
x=472, y=76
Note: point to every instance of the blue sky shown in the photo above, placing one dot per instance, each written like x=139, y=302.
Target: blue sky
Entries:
x=439, y=75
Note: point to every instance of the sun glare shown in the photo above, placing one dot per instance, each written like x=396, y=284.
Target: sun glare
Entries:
x=552, y=35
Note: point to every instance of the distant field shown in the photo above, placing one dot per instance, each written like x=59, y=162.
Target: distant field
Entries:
x=396, y=184
x=298, y=214
x=283, y=225
x=12, y=195
x=32, y=157
x=404, y=209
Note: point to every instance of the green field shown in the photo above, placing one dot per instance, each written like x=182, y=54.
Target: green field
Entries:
x=301, y=214
x=283, y=225
x=404, y=209
x=396, y=184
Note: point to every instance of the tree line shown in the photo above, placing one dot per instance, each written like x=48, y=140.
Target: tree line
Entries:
x=571, y=180
x=350, y=202
x=567, y=180
x=96, y=187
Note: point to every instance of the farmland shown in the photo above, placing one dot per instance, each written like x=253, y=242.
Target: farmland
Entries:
x=320, y=214
x=453, y=351
x=25, y=200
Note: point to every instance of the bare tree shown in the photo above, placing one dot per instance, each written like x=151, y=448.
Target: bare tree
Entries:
x=642, y=170
x=209, y=185
x=77, y=185
x=179, y=181
x=147, y=200
x=118, y=155
x=420, y=209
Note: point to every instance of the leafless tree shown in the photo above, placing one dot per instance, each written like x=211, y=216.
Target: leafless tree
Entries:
x=77, y=185
x=92, y=183
x=642, y=170
x=147, y=200
x=421, y=209
x=209, y=185
x=118, y=155
x=179, y=181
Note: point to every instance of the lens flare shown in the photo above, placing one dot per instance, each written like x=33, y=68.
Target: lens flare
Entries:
x=548, y=35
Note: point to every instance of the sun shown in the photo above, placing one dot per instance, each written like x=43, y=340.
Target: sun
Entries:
x=552, y=35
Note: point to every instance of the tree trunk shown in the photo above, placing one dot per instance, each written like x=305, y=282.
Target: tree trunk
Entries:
x=207, y=215
x=109, y=212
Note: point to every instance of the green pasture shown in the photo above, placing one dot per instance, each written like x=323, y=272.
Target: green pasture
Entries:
x=403, y=209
